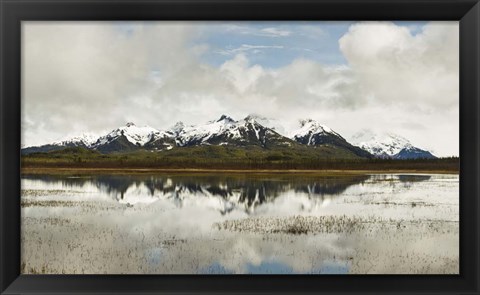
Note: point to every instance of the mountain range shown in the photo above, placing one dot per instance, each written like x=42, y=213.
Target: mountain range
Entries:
x=248, y=132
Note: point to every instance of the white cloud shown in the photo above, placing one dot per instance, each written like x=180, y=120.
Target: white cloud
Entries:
x=394, y=66
x=414, y=77
x=272, y=32
x=275, y=32
x=93, y=76
x=239, y=72
x=248, y=47
x=82, y=75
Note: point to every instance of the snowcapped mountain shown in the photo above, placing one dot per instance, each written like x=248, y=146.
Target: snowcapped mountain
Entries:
x=177, y=128
x=131, y=137
x=388, y=145
x=313, y=133
x=252, y=131
x=85, y=140
x=123, y=139
x=381, y=145
x=227, y=131
x=223, y=131
x=205, y=133
x=134, y=134
x=271, y=123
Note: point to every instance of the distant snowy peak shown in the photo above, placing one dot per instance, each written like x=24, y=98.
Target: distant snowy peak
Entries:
x=311, y=132
x=86, y=139
x=388, y=145
x=383, y=145
x=136, y=135
x=414, y=153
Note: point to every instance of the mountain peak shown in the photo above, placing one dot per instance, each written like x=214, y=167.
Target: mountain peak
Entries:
x=368, y=136
x=304, y=122
x=177, y=128
x=254, y=117
x=310, y=125
x=225, y=118
x=312, y=133
x=87, y=139
x=388, y=145
x=178, y=125
x=252, y=130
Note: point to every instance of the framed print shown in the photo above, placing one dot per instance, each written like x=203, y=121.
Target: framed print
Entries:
x=239, y=147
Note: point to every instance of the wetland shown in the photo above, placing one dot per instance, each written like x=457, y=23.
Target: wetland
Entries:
x=240, y=223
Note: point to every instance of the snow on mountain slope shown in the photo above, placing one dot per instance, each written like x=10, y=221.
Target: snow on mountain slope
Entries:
x=86, y=139
x=250, y=123
x=383, y=145
x=250, y=131
x=177, y=128
x=136, y=135
x=272, y=123
x=125, y=138
x=227, y=131
x=200, y=134
x=311, y=131
x=389, y=145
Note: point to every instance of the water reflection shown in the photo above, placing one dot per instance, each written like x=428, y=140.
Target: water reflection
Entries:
x=250, y=190
x=240, y=223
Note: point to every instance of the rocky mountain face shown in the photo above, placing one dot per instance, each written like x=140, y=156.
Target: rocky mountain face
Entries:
x=413, y=153
x=313, y=133
x=227, y=131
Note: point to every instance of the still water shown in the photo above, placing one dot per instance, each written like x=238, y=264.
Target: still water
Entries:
x=240, y=223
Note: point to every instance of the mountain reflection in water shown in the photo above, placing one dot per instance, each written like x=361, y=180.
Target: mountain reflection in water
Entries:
x=249, y=190
x=205, y=223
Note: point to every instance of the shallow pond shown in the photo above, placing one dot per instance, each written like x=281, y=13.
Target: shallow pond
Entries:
x=240, y=223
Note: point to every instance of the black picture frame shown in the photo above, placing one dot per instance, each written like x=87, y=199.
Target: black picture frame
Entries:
x=13, y=12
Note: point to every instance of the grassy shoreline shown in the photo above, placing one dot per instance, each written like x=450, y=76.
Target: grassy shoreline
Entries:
x=229, y=159
x=78, y=170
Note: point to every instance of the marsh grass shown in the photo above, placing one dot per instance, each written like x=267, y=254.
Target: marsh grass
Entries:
x=69, y=245
x=323, y=224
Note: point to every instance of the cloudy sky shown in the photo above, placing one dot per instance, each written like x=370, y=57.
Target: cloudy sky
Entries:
x=398, y=77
